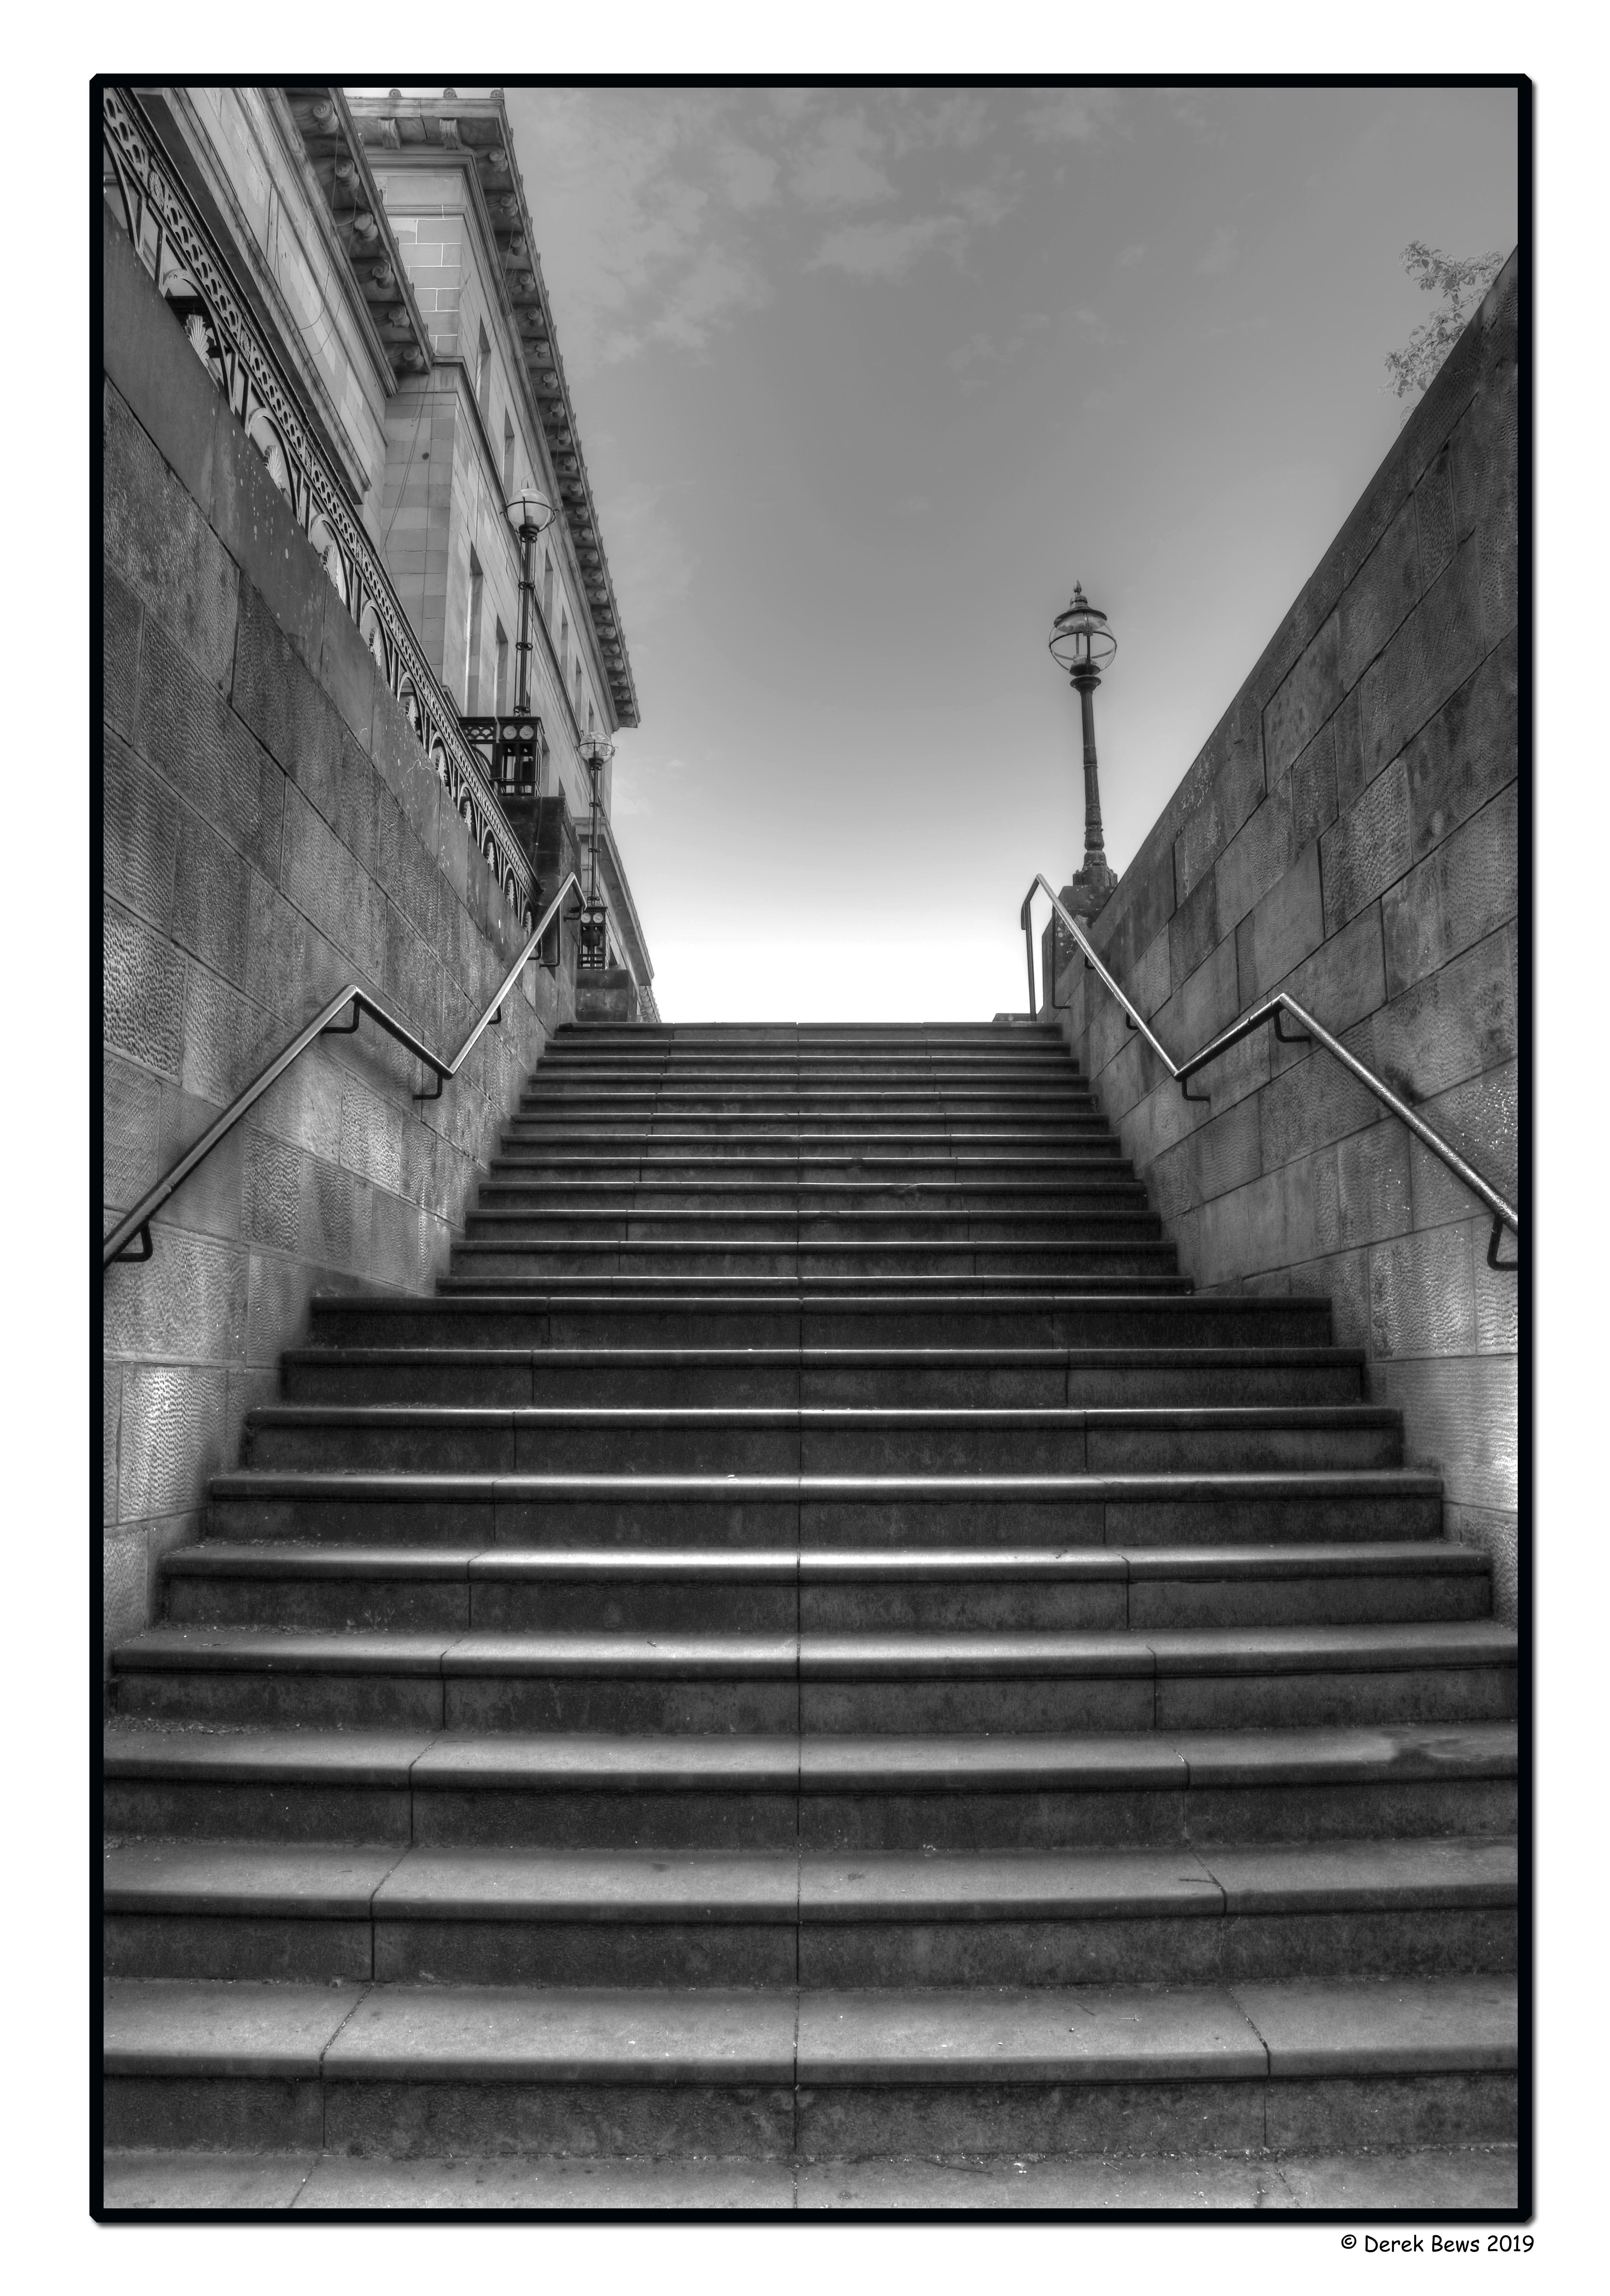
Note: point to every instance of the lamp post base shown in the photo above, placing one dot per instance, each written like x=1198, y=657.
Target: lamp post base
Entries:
x=1091, y=890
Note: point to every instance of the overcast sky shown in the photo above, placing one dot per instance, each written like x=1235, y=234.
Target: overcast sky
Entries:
x=865, y=378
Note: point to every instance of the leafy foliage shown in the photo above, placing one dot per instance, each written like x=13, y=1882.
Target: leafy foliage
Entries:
x=1461, y=281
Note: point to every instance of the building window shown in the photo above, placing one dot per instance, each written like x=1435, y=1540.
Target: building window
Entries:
x=578, y=684
x=471, y=656
x=502, y=703
x=547, y=591
x=508, y=459
x=483, y=371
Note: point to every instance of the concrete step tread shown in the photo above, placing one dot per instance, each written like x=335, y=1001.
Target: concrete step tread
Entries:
x=1358, y=2028
x=870, y=1489
x=1138, y=1418
x=1012, y=1296
x=848, y=1358
x=1463, y=2177
x=242, y=1880
x=873, y=1656
x=830, y=1566
x=701, y=1220
x=955, y=1292
x=595, y=1761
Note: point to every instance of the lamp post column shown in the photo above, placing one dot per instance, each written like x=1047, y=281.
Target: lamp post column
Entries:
x=523, y=643
x=1083, y=644
x=1096, y=854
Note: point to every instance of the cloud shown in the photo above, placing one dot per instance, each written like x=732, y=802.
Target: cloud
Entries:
x=1221, y=251
x=989, y=203
x=1127, y=257
x=1097, y=326
x=840, y=169
x=1073, y=115
x=972, y=361
x=639, y=208
x=886, y=251
x=749, y=178
x=652, y=565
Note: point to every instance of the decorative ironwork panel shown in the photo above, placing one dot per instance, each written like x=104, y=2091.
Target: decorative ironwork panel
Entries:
x=192, y=275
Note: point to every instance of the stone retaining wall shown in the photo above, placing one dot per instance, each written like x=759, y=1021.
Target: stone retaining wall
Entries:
x=1349, y=832
x=272, y=830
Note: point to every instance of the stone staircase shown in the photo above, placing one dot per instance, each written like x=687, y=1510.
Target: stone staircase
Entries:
x=815, y=1671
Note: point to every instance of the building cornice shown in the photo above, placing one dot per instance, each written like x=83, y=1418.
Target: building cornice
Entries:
x=322, y=138
x=473, y=132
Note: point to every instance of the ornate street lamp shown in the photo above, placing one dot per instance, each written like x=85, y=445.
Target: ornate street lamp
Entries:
x=1083, y=644
x=595, y=752
x=529, y=512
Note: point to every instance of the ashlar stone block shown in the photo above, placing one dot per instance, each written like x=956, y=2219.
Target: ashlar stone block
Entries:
x=1256, y=857
x=1361, y=1188
x=172, y=1418
x=1467, y=753
x=212, y=900
x=1368, y=848
x=1381, y=593
x=1458, y=894
x=1306, y=697
x=1288, y=925
x=1455, y=1024
x=1422, y=1297
x=155, y=539
x=205, y=751
x=1430, y=657
x=1344, y=980
x=281, y=703
x=143, y=991
x=140, y=829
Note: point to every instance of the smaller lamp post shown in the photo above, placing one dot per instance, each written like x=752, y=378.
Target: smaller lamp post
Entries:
x=1083, y=644
x=595, y=752
x=529, y=512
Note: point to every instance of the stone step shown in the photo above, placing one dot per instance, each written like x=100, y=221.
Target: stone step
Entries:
x=1460, y=2178
x=1161, y=1678
x=875, y=1087
x=911, y=1317
x=520, y=1216
x=787, y=1377
x=1077, y=1164
x=613, y=1589
x=878, y=1129
x=652, y=1791
x=786, y=1511
x=481, y=1258
x=759, y=1307
x=820, y=1919
x=776, y=2072
x=860, y=1440
x=808, y=1200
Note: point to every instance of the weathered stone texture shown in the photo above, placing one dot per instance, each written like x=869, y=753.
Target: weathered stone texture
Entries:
x=1350, y=833
x=272, y=830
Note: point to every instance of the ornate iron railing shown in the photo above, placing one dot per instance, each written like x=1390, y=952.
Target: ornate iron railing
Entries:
x=1263, y=1015
x=193, y=277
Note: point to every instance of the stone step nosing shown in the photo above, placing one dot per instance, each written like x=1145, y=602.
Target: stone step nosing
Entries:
x=1228, y=1483
x=828, y=1566
x=288, y=1883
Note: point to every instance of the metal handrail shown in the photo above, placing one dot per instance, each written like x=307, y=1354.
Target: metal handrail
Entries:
x=1504, y=1215
x=137, y=1223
